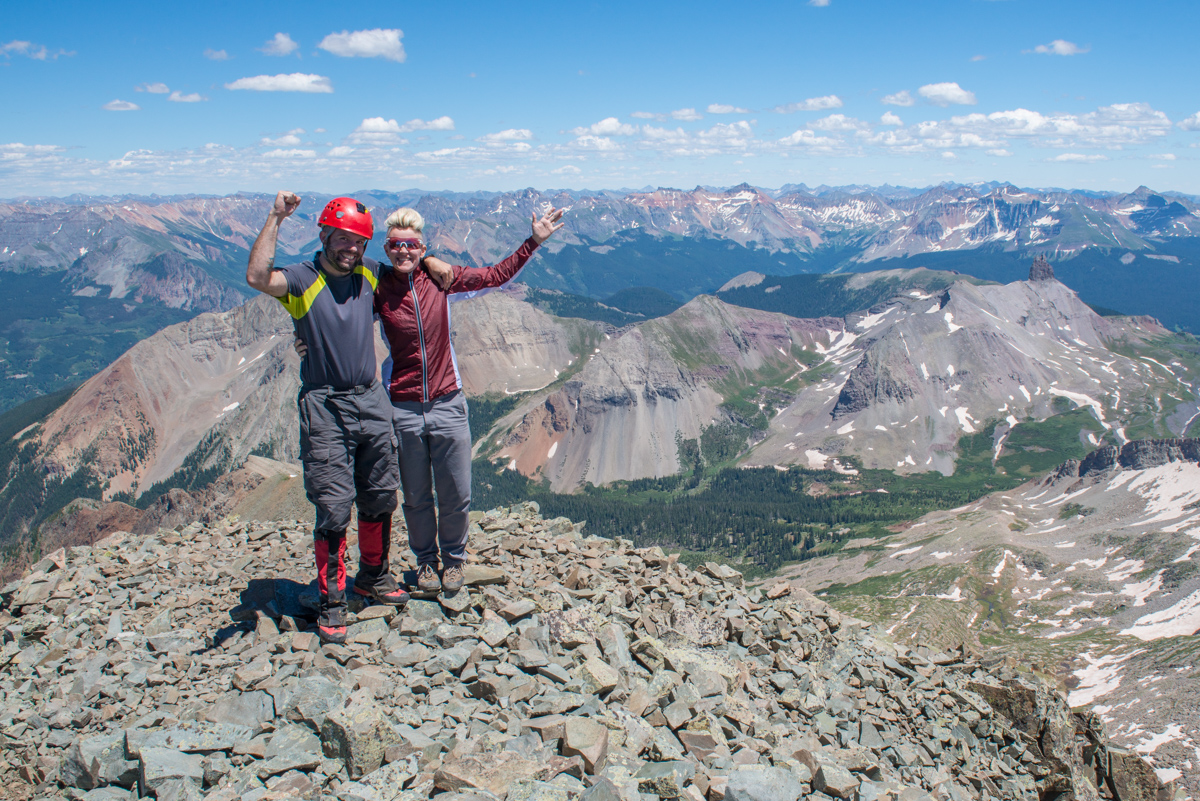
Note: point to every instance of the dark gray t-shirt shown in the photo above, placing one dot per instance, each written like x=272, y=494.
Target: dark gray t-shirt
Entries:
x=335, y=317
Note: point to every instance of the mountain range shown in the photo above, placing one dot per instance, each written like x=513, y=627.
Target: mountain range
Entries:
x=85, y=278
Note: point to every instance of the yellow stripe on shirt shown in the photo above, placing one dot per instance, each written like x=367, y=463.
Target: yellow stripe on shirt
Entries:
x=298, y=306
x=367, y=274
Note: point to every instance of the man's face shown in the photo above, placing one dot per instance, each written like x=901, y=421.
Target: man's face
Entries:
x=344, y=250
x=405, y=248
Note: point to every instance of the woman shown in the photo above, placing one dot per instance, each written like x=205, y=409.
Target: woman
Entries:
x=429, y=408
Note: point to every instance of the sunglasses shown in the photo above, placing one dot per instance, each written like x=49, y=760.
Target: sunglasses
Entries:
x=406, y=244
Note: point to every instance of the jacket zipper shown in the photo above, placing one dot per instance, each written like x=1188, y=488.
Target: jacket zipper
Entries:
x=412, y=290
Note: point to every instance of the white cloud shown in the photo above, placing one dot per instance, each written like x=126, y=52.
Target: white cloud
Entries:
x=567, y=169
x=1164, y=156
x=734, y=134
x=153, y=88
x=377, y=131
x=665, y=136
x=949, y=155
x=31, y=50
x=375, y=43
x=609, y=126
x=902, y=98
x=290, y=139
x=938, y=135
x=294, y=82
x=685, y=114
x=290, y=154
x=818, y=3
x=946, y=94
x=378, y=125
x=281, y=45
x=510, y=135
x=439, y=124
x=598, y=143
x=1191, y=123
x=340, y=152
x=380, y=131
x=1060, y=47
x=812, y=104
x=889, y=118
x=978, y=58
x=999, y=152
x=807, y=138
x=121, y=105
x=733, y=137
x=647, y=115
x=839, y=122
x=216, y=55
x=15, y=151
x=721, y=108
x=180, y=97
x=1108, y=126
x=1079, y=158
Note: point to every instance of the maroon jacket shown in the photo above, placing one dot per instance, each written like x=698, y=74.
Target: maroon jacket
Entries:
x=422, y=365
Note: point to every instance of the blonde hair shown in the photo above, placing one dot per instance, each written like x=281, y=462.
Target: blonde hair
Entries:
x=405, y=218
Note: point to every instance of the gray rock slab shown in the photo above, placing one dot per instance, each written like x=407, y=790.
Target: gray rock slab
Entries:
x=760, y=783
x=249, y=709
x=160, y=765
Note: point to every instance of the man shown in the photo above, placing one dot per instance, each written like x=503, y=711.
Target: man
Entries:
x=347, y=442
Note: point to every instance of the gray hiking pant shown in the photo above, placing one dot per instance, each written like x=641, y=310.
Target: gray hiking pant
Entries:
x=435, y=451
x=348, y=448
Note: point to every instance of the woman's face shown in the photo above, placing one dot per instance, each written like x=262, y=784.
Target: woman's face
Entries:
x=405, y=248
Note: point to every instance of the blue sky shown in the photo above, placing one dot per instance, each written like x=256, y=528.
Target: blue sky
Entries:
x=218, y=97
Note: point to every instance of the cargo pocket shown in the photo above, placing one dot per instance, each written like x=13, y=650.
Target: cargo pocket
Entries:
x=313, y=454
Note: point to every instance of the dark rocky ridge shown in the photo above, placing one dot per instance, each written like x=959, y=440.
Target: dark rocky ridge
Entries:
x=571, y=667
x=1136, y=455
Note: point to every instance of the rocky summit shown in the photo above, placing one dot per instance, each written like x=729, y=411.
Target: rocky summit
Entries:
x=182, y=665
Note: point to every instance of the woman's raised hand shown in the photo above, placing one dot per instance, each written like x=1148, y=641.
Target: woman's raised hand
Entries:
x=545, y=226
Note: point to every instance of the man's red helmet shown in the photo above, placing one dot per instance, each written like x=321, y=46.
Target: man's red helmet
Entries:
x=349, y=215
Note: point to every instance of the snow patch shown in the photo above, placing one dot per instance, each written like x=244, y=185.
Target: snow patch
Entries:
x=1150, y=744
x=1141, y=590
x=1125, y=569
x=1079, y=399
x=1099, y=678
x=816, y=460
x=1180, y=620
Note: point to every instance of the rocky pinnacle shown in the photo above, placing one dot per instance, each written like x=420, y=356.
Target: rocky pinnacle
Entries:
x=1041, y=270
x=181, y=665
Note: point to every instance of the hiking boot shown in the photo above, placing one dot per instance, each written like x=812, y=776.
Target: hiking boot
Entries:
x=427, y=578
x=453, y=578
x=331, y=623
x=378, y=585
